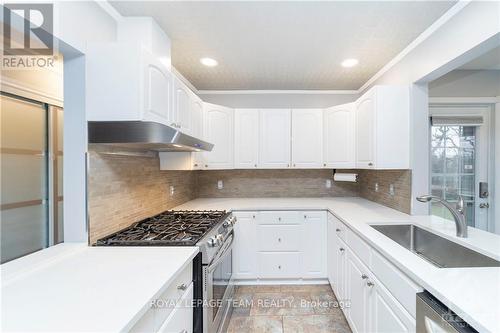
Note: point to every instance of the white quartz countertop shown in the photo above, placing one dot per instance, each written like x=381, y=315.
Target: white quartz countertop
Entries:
x=472, y=293
x=73, y=287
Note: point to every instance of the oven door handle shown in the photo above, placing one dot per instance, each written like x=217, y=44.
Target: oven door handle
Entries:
x=222, y=256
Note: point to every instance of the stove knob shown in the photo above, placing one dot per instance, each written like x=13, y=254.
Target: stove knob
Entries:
x=213, y=241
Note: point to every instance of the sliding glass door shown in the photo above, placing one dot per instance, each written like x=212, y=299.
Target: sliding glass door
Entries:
x=31, y=176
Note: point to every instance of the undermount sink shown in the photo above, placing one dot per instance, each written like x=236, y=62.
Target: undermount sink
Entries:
x=437, y=250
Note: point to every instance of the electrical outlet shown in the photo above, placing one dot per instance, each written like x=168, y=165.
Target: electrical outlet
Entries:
x=220, y=184
x=376, y=187
x=391, y=189
x=172, y=190
x=328, y=183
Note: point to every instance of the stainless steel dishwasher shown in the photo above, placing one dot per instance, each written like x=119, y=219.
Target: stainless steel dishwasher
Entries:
x=434, y=317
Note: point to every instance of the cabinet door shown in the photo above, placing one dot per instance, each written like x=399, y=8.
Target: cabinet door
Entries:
x=245, y=245
x=387, y=315
x=357, y=293
x=181, y=318
x=246, y=138
x=197, y=129
x=331, y=253
x=307, y=138
x=338, y=133
x=181, y=115
x=340, y=287
x=157, y=90
x=275, y=138
x=218, y=130
x=365, y=127
x=314, y=245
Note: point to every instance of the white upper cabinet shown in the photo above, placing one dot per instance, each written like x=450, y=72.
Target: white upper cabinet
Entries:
x=218, y=129
x=198, y=161
x=274, y=152
x=383, y=128
x=181, y=111
x=339, y=136
x=135, y=87
x=307, y=138
x=246, y=138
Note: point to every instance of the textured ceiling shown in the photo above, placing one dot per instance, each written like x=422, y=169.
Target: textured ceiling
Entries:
x=285, y=44
x=488, y=61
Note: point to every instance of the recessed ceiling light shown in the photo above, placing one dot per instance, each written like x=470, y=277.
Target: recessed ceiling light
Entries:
x=209, y=62
x=351, y=62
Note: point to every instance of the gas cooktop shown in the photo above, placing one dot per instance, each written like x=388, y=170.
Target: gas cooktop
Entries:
x=167, y=228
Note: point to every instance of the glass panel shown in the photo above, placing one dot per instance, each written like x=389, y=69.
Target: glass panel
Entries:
x=453, y=167
x=23, y=124
x=23, y=231
x=24, y=191
x=23, y=178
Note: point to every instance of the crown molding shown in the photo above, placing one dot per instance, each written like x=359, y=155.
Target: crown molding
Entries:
x=281, y=92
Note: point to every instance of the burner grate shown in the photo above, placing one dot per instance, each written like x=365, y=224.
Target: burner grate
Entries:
x=167, y=228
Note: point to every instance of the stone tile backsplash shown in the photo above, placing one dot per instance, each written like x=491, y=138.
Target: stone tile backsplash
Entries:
x=123, y=189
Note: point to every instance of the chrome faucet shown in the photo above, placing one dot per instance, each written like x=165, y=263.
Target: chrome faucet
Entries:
x=458, y=212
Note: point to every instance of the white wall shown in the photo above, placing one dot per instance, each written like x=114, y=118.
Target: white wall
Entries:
x=467, y=83
x=280, y=100
x=77, y=23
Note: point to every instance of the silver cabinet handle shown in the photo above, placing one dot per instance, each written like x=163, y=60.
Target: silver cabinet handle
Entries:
x=364, y=276
x=324, y=164
x=370, y=164
x=305, y=216
x=182, y=287
x=255, y=165
x=279, y=267
x=294, y=165
x=279, y=240
x=370, y=284
x=206, y=165
x=196, y=164
x=338, y=230
x=279, y=218
x=484, y=205
x=253, y=216
x=341, y=249
x=288, y=165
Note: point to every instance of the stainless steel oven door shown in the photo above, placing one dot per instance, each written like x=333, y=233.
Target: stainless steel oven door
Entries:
x=219, y=288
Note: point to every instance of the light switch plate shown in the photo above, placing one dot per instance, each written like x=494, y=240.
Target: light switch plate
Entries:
x=220, y=184
x=391, y=189
x=328, y=183
x=172, y=190
x=376, y=187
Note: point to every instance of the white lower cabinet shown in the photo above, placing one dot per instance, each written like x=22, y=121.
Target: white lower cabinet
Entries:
x=381, y=298
x=245, y=245
x=181, y=318
x=280, y=245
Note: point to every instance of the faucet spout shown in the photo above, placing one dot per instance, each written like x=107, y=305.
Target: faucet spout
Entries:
x=458, y=212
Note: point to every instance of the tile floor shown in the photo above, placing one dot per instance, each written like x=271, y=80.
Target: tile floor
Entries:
x=287, y=309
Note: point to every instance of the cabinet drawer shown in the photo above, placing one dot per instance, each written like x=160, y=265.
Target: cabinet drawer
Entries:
x=174, y=292
x=279, y=217
x=279, y=237
x=181, y=318
x=340, y=228
x=358, y=246
x=279, y=265
x=399, y=285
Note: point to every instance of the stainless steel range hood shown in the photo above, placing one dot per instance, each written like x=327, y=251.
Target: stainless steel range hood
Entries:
x=142, y=136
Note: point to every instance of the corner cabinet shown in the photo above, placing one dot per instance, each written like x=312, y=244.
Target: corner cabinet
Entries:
x=274, y=152
x=218, y=129
x=383, y=128
x=246, y=138
x=339, y=137
x=307, y=138
x=136, y=87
